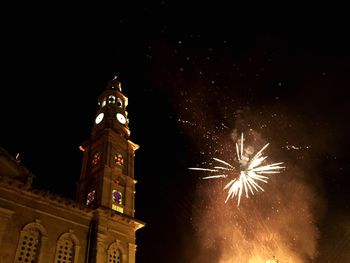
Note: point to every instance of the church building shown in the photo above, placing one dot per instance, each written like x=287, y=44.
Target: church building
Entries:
x=100, y=225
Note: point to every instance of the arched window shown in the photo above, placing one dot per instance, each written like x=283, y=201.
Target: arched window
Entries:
x=117, y=197
x=117, y=201
x=29, y=243
x=114, y=254
x=67, y=249
x=103, y=103
x=119, y=103
x=111, y=99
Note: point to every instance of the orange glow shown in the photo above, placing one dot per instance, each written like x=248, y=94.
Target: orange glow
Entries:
x=279, y=224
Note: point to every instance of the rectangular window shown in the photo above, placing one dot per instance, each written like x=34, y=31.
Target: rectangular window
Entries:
x=118, y=208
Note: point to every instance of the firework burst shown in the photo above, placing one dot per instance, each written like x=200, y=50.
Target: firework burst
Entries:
x=246, y=179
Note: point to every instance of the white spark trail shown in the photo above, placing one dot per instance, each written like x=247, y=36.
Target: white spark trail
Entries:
x=251, y=172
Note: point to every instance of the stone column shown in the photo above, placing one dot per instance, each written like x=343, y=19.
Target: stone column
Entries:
x=100, y=248
x=132, y=252
x=5, y=216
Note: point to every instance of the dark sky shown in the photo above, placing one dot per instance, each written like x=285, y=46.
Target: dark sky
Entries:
x=192, y=73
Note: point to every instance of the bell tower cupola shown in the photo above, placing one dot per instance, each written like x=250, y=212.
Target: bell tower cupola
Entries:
x=107, y=174
x=111, y=111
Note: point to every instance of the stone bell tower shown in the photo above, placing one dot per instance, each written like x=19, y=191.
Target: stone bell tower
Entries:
x=107, y=181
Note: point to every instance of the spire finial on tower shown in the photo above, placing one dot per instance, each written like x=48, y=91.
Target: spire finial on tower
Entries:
x=115, y=83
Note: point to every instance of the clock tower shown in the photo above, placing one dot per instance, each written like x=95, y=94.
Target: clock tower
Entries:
x=107, y=174
x=107, y=182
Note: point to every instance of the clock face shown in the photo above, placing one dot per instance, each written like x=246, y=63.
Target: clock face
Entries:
x=121, y=118
x=99, y=118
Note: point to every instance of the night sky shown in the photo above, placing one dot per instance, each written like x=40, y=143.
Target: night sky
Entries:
x=196, y=76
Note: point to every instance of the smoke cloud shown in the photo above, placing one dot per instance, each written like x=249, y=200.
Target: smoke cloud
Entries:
x=278, y=222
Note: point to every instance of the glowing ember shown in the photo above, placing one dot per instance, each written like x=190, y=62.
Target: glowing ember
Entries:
x=251, y=171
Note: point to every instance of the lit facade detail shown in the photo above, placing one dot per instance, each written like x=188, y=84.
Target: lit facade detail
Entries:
x=90, y=197
x=117, y=197
x=117, y=201
x=96, y=159
x=118, y=159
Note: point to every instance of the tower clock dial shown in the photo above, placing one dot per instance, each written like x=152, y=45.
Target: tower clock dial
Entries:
x=99, y=118
x=121, y=118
